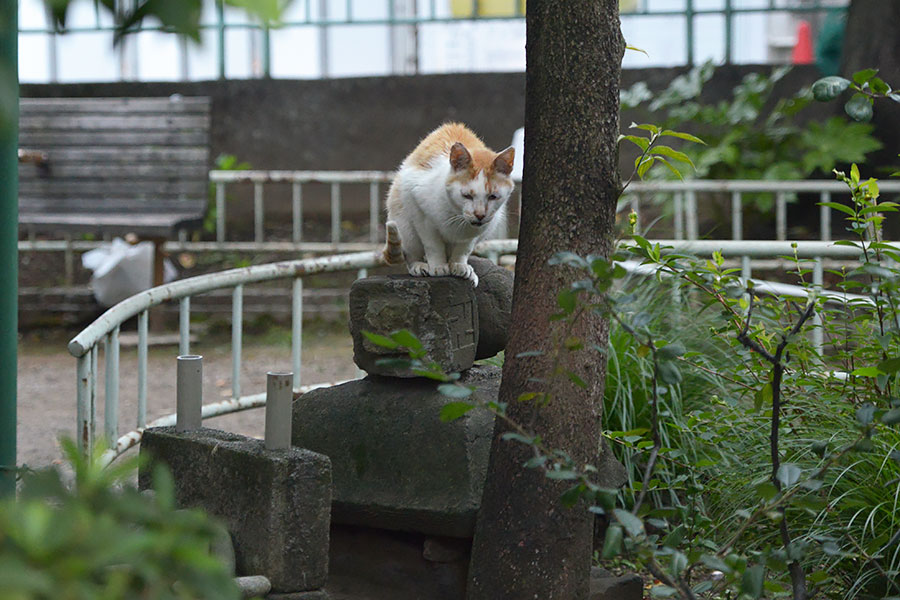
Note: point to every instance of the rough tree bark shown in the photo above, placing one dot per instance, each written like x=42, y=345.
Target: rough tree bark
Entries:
x=872, y=41
x=527, y=545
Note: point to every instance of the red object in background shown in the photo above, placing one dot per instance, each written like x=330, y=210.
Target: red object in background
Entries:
x=803, y=49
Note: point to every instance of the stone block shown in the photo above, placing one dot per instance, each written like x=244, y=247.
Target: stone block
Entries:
x=276, y=504
x=395, y=464
x=377, y=564
x=494, y=299
x=440, y=311
x=606, y=586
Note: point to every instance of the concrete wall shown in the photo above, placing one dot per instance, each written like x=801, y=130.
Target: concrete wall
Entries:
x=365, y=123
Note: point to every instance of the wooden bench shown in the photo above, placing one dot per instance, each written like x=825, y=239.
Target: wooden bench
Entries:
x=113, y=166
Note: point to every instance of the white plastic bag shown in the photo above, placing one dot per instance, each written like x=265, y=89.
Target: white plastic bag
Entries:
x=122, y=270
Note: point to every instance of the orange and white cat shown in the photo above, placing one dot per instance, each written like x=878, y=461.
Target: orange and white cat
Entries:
x=448, y=194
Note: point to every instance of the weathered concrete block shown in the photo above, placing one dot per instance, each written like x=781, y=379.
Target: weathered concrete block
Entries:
x=606, y=586
x=377, y=564
x=440, y=311
x=395, y=464
x=494, y=299
x=276, y=504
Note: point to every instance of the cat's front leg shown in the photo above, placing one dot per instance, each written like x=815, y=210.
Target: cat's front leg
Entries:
x=435, y=255
x=459, y=261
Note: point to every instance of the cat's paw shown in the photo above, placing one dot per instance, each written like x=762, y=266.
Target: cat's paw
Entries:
x=418, y=269
x=439, y=270
x=465, y=271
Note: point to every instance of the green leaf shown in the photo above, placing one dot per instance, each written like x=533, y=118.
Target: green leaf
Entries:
x=267, y=11
x=380, y=340
x=645, y=165
x=829, y=88
x=859, y=108
x=662, y=591
x=682, y=136
x=452, y=390
x=669, y=373
x=672, y=153
x=406, y=338
x=889, y=366
x=865, y=414
x=866, y=372
x=566, y=299
x=891, y=417
x=788, y=474
x=752, y=581
x=669, y=166
x=673, y=350
x=763, y=397
x=640, y=142
x=878, y=86
x=636, y=49
x=454, y=410
x=574, y=378
x=561, y=474
x=612, y=542
x=646, y=127
x=632, y=524
x=840, y=207
x=860, y=77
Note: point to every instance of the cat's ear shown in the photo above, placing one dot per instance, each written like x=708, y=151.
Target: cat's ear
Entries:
x=460, y=159
x=504, y=161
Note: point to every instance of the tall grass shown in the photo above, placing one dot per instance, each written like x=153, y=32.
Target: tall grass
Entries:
x=718, y=436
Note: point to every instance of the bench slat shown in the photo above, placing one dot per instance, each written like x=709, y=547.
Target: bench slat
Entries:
x=100, y=173
x=47, y=140
x=89, y=205
x=111, y=189
x=122, y=156
x=64, y=122
x=191, y=104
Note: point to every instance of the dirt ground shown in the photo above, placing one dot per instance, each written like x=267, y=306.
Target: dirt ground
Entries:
x=46, y=382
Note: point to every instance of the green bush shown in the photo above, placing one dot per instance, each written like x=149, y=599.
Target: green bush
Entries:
x=99, y=538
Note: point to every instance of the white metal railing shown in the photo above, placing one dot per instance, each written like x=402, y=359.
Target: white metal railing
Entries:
x=105, y=330
x=679, y=198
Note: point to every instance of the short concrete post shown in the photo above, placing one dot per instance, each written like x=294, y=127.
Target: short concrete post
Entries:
x=279, y=396
x=189, y=398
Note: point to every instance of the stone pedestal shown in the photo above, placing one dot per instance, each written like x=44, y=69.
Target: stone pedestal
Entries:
x=440, y=311
x=396, y=465
x=276, y=504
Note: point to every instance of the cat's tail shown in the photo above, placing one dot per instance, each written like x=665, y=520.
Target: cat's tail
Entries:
x=392, y=253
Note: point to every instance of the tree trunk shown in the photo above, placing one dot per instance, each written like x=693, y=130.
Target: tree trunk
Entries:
x=527, y=545
x=871, y=41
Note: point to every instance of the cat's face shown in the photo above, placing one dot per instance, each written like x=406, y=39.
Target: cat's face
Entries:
x=479, y=182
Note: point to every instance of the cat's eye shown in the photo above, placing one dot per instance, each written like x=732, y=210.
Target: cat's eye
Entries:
x=493, y=197
x=468, y=195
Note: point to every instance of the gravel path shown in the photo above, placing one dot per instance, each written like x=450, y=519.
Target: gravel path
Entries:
x=46, y=383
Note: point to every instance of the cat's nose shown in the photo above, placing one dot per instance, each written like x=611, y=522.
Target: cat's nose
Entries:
x=479, y=214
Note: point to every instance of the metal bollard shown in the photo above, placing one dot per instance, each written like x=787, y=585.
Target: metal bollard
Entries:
x=189, y=398
x=279, y=396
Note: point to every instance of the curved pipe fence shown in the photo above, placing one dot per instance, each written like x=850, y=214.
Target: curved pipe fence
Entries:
x=105, y=330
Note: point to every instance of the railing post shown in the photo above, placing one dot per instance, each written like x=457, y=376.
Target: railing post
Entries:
x=220, y=31
x=297, y=330
x=335, y=213
x=279, y=396
x=189, y=392
x=689, y=31
x=237, y=326
x=111, y=409
x=142, y=369
x=220, y=211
